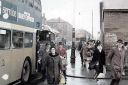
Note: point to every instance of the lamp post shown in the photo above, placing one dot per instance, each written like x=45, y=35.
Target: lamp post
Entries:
x=73, y=46
x=73, y=36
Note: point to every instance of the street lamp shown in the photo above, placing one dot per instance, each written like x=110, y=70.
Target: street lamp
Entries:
x=49, y=33
x=73, y=46
x=73, y=36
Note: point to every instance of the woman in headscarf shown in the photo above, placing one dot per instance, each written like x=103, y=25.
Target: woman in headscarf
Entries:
x=63, y=55
x=54, y=67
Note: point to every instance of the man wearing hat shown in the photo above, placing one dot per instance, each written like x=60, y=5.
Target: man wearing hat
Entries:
x=116, y=59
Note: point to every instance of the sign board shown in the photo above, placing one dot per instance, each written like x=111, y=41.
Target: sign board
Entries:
x=8, y=11
x=110, y=37
x=115, y=4
x=25, y=16
x=17, y=14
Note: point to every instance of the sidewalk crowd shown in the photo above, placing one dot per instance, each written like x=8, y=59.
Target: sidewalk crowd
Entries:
x=53, y=61
x=117, y=59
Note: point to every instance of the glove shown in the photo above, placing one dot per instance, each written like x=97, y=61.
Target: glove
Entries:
x=39, y=61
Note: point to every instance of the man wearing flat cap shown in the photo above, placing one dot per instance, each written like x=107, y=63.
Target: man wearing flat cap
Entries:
x=116, y=59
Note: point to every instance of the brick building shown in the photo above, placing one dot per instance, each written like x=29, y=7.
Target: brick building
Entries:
x=114, y=21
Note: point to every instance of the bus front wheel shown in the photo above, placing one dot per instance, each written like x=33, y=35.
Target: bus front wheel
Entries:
x=26, y=70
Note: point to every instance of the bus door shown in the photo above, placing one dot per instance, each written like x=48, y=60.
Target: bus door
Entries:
x=5, y=40
x=37, y=48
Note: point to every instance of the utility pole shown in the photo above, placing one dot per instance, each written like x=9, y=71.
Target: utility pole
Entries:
x=101, y=23
x=73, y=46
x=92, y=23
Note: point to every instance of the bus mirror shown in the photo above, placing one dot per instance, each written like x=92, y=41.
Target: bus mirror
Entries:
x=3, y=32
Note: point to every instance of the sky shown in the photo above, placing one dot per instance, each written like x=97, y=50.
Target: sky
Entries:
x=76, y=12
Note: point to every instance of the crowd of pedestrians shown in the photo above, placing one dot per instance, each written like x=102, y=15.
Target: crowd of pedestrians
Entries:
x=116, y=58
x=52, y=60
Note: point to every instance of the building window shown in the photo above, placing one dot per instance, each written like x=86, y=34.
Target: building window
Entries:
x=5, y=39
x=37, y=5
x=22, y=0
x=28, y=40
x=38, y=24
x=31, y=3
x=17, y=39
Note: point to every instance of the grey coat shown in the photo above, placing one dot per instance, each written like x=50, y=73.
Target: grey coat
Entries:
x=126, y=58
x=116, y=59
x=42, y=56
x=54, y=66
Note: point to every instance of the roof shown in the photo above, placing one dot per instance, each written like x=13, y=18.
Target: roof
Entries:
x=48, y=28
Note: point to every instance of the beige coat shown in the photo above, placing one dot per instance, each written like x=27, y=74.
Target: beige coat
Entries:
x=84, y=52
x=116, y=59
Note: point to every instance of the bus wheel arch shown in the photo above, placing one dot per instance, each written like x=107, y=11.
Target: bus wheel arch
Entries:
x=26, y=70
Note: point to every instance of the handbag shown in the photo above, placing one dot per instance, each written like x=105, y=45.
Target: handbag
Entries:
x=92, y=65
x=118, y=75
x=101, y=81
x=62, y=79
x=104, y=70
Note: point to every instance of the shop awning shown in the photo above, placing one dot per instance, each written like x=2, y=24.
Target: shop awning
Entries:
x=48, y=28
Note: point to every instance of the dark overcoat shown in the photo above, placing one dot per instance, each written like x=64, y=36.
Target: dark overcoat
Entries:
x=54, y=66
x=99, y=57
x=43, y=54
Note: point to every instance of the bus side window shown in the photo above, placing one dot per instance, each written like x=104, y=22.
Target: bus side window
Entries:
x=5, y=39
x=17, y=39
x=28, y=40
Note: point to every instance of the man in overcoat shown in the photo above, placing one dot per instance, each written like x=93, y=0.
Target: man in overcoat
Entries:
x=116, y=59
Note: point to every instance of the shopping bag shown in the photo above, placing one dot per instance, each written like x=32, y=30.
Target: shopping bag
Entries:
x=62, y=79
x=104, y=69
x=101, y=75
x=101, y=81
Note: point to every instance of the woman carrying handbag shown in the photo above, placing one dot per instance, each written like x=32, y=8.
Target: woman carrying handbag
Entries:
x=98, y=59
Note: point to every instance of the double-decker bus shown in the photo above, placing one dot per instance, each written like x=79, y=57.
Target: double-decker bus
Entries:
x=19, y=22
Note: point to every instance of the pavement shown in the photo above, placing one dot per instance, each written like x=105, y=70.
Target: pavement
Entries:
x=80, y=75
x=80, y=71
